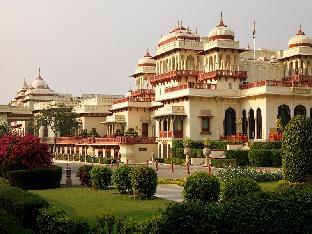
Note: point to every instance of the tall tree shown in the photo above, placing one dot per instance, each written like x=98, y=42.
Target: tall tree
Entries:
x=62, y=120
x=5, y=128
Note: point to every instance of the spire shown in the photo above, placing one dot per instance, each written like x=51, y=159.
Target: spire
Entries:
x=300, y=32
x=147, y=53
x=221, y=20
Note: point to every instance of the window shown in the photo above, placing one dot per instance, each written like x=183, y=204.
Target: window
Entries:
x=205, y=124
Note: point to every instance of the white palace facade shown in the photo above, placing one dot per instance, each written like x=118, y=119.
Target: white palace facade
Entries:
x=201, y=87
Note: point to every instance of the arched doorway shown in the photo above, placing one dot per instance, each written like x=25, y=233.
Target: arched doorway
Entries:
x=244, y=122
x=251, y=122
x=259, y=124
x=283, y=113
x=300, y=110
x=229, y=123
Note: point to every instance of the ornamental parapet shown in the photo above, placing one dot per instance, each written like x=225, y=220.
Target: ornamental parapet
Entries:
x=172, y=75
x=191, y=85
x=217, y=74
x=78, y=140
x=276, y=83
x=171, y=134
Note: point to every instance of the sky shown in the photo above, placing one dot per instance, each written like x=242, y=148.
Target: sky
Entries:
x=92, y=46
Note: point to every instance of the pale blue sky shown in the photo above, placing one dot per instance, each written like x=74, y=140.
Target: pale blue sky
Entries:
x=92, y=46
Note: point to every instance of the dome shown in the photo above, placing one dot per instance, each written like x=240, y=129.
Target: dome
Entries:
x=178, y=32
x=39, y=83
x=147, y=61
x=300, y=39
x=221, y=32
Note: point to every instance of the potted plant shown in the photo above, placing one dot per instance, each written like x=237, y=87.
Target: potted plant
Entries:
x=206, y=150
x=131, y=132
x=187, y=148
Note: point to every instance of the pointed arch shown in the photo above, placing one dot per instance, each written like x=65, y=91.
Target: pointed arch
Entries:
x=259, y=123
x=244, y=122
x=283, y=113
x=300, y=110
x=251, y=123
x=229, y=122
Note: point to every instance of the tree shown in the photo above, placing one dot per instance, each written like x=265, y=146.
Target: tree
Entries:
x=61, y=119
x=297, y=149
x=5, y=128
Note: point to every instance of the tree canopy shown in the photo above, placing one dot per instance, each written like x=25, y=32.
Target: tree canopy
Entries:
x=62, y=120
x=5, y=128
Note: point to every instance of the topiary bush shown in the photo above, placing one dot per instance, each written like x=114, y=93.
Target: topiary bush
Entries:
x=55, y=221
x=276, y=157
x=239, y=187
x=144, y=182
x=101, y=177
x=297, y=149
x=83, y=173
x=266, y=145
x=122, y=179
x=38, y=178
x=23, y=153
x=21, y=204
x=202, y=186
x=223, y=162
x=260, y=158
x=241, y=156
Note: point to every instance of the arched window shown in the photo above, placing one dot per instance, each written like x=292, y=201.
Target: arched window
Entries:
x=300, y=110
x=251, y=122
x=45, y=131
x=244, y=123
x=283, y=113
x=229, y=123
x=259, y=124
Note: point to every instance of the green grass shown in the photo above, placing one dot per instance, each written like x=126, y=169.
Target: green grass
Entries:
x=89, y=203
x=268, y=186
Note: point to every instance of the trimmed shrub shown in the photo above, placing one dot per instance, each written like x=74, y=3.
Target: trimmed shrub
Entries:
x=122, y=179
x=297, y=149
x=21, y=204
x=276, y=157
x=84, y=175
x=53, y=220
x=260, y=158
x=144, y=182
x=239, y=187
x=241, y=156
x=23, y=153
x=179, y=182
x=222, y=162
x=38, y=178
x=9, y=224
x=107, y=161
x=110, y=224
x=101, y=177
x=201, y=186
x=266, y=145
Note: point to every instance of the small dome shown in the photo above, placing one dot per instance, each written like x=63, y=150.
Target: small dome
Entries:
x=221, y=32
x=39, y=83
x=147, y=61
x=300, y=39
x=178, y=32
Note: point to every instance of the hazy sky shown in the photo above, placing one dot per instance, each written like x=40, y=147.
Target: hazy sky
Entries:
x=92, y=46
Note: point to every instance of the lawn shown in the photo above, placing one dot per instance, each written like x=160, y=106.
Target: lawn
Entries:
x=89, y=203
x=268, y=186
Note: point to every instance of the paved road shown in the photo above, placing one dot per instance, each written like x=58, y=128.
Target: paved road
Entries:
x=166, y=191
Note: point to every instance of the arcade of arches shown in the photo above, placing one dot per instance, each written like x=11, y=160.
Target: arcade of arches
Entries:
x=251, y=121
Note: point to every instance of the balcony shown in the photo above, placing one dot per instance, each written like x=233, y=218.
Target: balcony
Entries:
x=172, y=75
x=171, y=134
x=142, y=92
x=276, y=83
x=222, y=73
x=133, y=99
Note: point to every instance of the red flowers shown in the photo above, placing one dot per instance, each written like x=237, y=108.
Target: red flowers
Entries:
x=23, y=152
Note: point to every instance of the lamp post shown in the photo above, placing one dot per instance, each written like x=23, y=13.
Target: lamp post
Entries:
x=68, y=176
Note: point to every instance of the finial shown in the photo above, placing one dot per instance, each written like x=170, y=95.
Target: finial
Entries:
x=147, y=53
x=248, y=46
x=178, y=23
x=221, y=20
x=196, y=30
x=39, y=72
x=300, y=32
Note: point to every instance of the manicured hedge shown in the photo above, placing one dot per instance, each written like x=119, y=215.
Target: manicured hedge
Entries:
x=9, y=224
x=222, y=162
x=101, y=177
x=84, y=175
x=55, y=221
x=107, y=160
x=241, y=156
x=38, y=178
x=266, y=145
x=263, y=212
x=144, y=182
x=21, y=204
x=265, y=158
x=122, y=179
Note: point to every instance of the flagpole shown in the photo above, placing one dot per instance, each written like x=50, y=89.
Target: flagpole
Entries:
x=254, y=40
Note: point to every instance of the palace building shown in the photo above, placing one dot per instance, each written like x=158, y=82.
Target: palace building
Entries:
x=200, y=86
